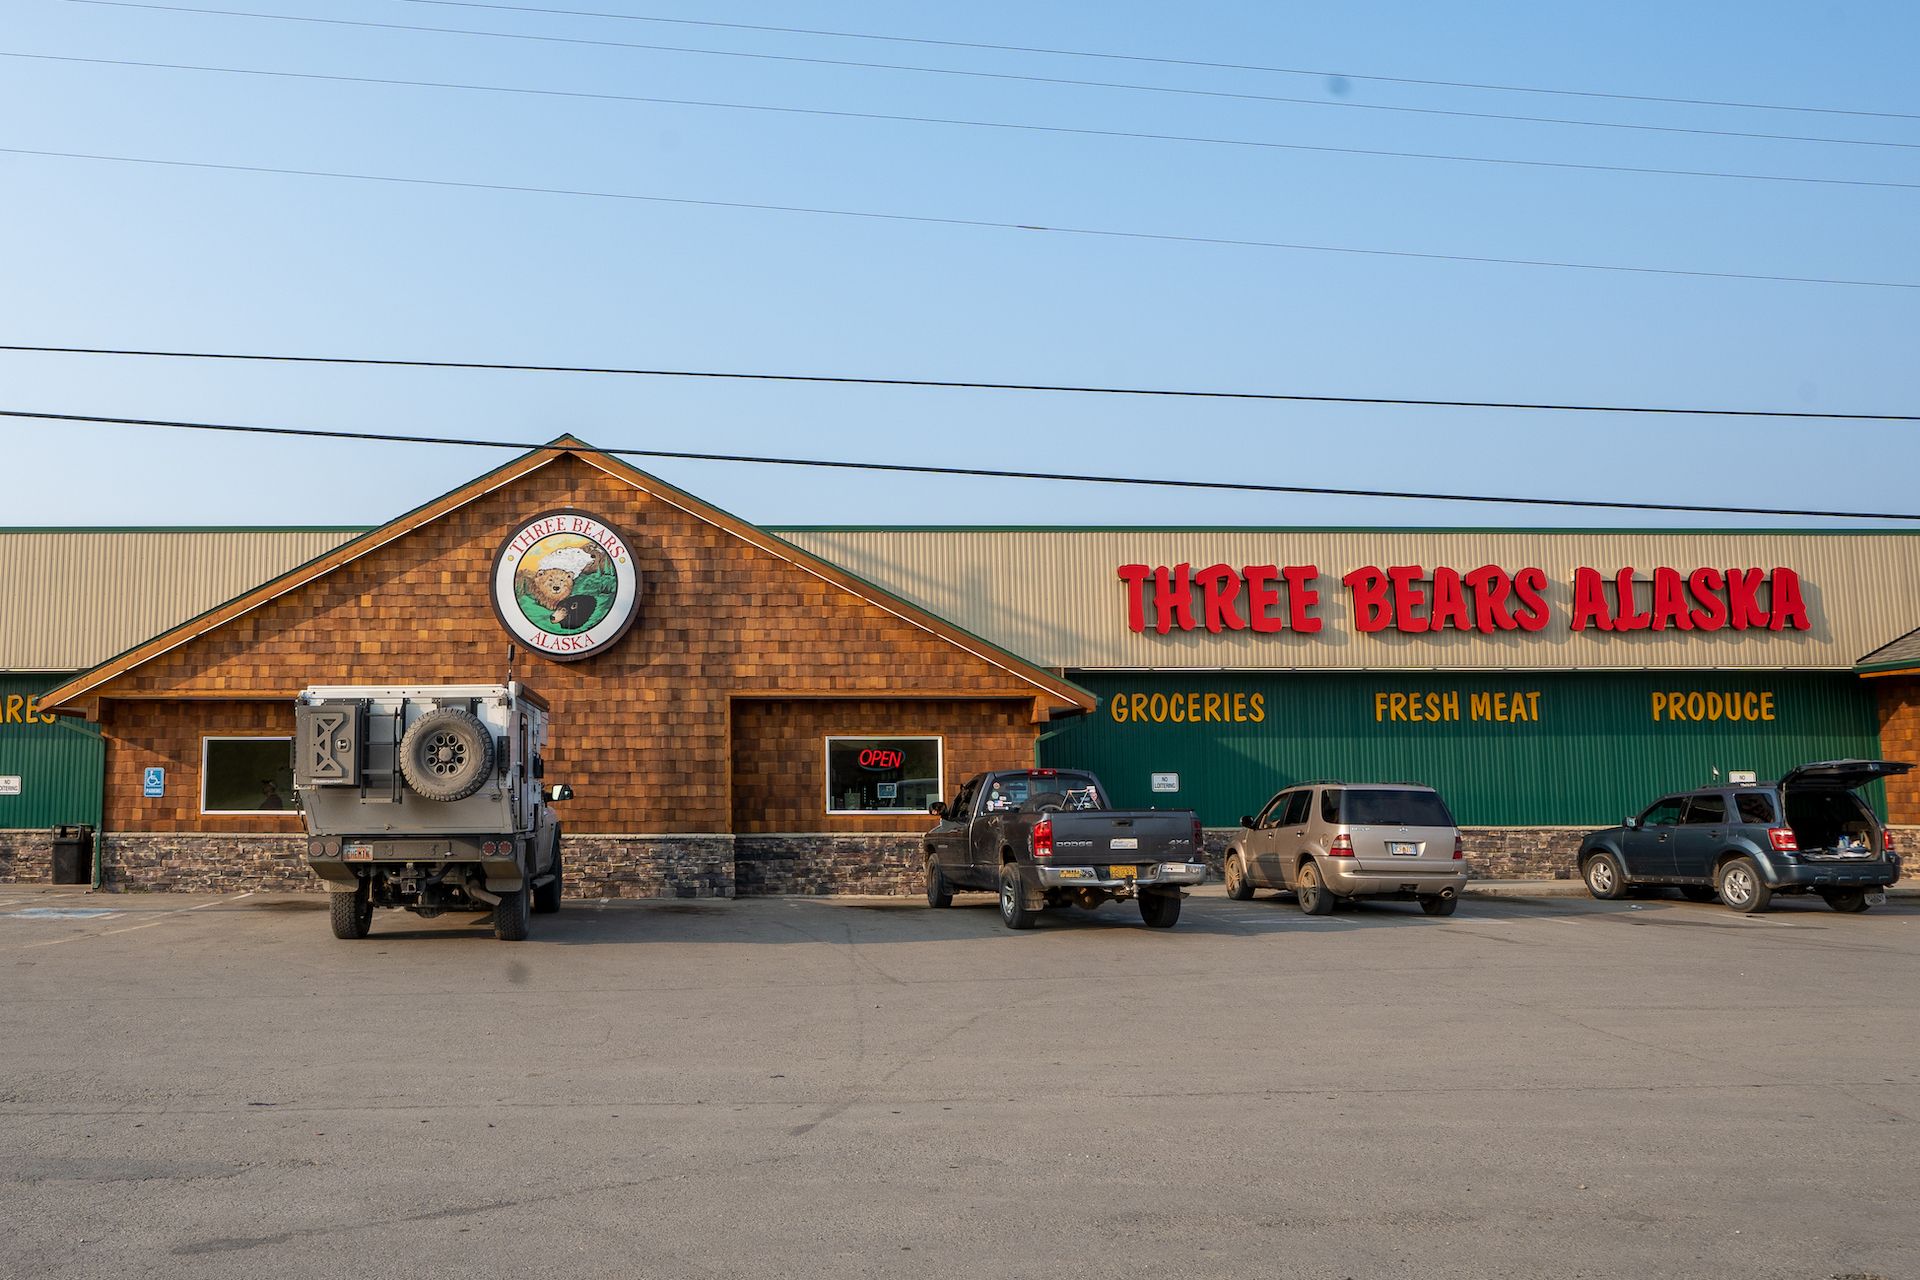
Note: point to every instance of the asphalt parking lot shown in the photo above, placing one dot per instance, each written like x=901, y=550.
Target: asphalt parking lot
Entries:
x=785, y=1087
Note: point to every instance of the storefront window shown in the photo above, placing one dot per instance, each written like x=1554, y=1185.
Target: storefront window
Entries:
x=246, y=775
x=882, y=775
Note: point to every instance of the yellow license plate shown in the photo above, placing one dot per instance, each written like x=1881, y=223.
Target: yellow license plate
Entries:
x=1123, y=873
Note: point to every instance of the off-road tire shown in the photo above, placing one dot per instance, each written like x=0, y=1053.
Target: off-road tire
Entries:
x=1846, y=901
x=1699, y=893
x=351, y=914
x=939, y=892
x=1435, y=905
x=1159, y=910
x=1014, y=912
x=1606, y=878
x=1239, y=886
x=1741, y=887
x=546, y=897
x=513, y=916
x=1311, y=891
x=446, y=755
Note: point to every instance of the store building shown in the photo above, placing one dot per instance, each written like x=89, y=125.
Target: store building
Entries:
x=1546, y=681
x=746, y=711
x=734, y=714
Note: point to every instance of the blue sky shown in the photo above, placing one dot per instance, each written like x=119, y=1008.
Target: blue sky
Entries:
x=105, y=254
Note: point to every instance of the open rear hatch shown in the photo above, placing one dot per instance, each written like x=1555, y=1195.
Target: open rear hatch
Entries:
x=1827, y=818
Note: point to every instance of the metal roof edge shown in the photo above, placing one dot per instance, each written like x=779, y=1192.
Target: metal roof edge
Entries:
x=1567, y=530
x=189, y=528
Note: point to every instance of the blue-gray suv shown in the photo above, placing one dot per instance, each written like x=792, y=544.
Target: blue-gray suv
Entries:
x=1745, y=842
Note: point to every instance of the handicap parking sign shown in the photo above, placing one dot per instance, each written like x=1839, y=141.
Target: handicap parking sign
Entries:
x=154, y=783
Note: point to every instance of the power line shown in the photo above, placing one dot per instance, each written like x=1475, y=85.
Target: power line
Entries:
x=1184, y=62
x=1127, y=86
x=954, y=384
x=973, y=124
x=978, y=473
x=933, y=220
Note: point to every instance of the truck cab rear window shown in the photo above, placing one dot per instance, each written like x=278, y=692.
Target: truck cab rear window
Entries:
x=1381, y=807
x=1011, y=790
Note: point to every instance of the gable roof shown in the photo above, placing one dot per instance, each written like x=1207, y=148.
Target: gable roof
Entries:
x=1052, y=693
x=1893, y=658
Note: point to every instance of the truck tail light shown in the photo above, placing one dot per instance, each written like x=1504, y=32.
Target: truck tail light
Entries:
x=1041, y=840
x=1200, y=836
x=1886, y=839
x=488, y=848
x=1342, y=847
x=1459, y=848
x=1781, y=838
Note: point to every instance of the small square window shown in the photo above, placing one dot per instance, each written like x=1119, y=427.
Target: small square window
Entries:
x=883, y=775
x=246, y=775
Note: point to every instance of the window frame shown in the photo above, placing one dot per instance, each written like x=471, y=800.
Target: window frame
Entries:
x=206, y=755
x=1740, y=806
x=826, y=770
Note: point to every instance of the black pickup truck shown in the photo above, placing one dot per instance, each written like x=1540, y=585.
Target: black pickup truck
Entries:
x=1045, y=838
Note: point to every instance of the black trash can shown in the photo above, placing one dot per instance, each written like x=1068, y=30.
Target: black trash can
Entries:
x=73, y=855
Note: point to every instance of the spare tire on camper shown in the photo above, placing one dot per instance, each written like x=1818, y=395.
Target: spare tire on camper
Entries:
x=446, y=754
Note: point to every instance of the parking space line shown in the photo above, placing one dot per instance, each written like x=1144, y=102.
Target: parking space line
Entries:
x=164, y=916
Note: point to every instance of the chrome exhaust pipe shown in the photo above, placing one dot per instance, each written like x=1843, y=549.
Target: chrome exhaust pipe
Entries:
x=1448, y=895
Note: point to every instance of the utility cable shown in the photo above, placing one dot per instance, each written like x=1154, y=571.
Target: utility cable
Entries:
x=976, y=124
x=954, y=384
x=1126, y=86
x=980, y=473
x=1180, y=62
x=932, y=220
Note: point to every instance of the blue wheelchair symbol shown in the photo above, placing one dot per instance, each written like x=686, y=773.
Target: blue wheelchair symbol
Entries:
x=154, y=783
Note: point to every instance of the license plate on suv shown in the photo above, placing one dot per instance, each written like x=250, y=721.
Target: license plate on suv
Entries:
x=1403, y=848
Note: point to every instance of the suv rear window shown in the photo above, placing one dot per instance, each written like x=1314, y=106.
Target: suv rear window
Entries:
x=1756, y=807
x=1384, y=808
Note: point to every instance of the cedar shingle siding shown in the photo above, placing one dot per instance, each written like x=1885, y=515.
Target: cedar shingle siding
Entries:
x=641, y=731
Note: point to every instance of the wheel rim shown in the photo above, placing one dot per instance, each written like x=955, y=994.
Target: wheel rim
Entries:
x=1738, y=885
x=1233, y=875
x=1600, y=875
x=1006, y=897
x=446, y=754
x=1309, y=886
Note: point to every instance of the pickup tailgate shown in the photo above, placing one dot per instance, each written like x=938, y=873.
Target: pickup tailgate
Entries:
x=1122, y=837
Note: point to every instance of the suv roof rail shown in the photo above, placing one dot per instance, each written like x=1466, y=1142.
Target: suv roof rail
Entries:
x=1321, y=782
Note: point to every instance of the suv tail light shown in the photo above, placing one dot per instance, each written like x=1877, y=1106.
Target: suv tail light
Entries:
x=1459, y=848
x=1886, y=840
x=1342, y=847
x=1781, y=838
x=1041, y=841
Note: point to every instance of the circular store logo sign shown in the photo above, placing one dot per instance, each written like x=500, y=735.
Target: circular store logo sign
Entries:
x=565, y=585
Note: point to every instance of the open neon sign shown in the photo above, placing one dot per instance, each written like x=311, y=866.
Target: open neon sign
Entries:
x=883, y=758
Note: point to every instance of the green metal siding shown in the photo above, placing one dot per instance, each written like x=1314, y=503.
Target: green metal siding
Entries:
x=1595, y=753
x=60, y=765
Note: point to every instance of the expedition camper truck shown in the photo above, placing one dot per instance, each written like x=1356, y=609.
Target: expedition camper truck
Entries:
x=429, y=798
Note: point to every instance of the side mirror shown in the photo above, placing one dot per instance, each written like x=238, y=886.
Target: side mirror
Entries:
x=938, y=808
x=1246, y=821
x=559, y=791
x=1631, y=823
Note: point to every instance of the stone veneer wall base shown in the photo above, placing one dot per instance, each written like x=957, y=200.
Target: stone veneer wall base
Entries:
x=26, y=856
x=696, y=866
